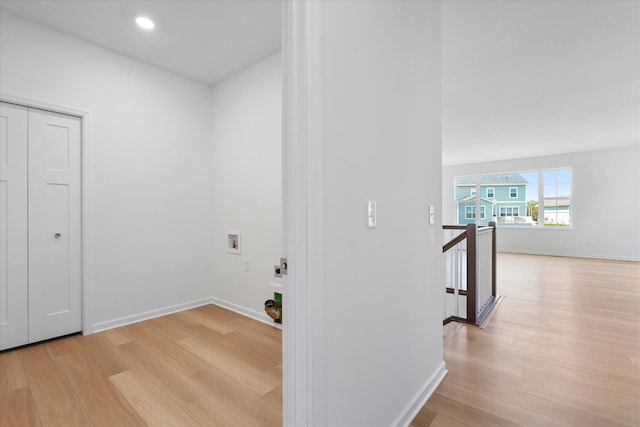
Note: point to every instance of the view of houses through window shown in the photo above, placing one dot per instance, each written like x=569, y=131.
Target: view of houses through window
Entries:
x=557, y=197
x=513, y=199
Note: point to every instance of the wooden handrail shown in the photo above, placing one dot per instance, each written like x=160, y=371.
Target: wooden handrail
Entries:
x=454, y=227
x=459, y=238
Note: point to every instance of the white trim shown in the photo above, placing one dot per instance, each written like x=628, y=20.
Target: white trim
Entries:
x=247, y=312
x=478, y=203
x=416, y=403
x=493, y=192
x=536, y=227
x=315, y=225
x=86, y=219
x=505, y=207
x=513, y=188
x=304, y=387
x=151, y=314
x=540, y=199
x=468, y=211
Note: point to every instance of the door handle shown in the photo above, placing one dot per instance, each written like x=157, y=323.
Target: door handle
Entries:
x=57, y=235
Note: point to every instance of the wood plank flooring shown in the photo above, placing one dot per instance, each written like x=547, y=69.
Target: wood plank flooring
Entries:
x=202, y=367
x=563, y=349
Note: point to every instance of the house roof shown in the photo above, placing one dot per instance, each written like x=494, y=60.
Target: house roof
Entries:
x=504, y=179
x=469, y=198
x=556, y=202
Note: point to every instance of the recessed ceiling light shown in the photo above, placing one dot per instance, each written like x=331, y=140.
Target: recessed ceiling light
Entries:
x=145, y=23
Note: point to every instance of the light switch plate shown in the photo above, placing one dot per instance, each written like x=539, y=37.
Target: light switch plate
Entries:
x=432, y=214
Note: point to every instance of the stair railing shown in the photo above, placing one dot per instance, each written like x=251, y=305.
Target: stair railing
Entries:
x=470, y=259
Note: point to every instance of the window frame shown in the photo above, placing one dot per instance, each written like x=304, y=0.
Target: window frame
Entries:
x=543, y=184
x=510, y=191
x=539, y=198
x=493, y=193
x=469, y=210
x=514, y=209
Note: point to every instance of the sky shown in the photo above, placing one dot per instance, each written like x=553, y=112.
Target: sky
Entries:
x=532, y=186
x=556, y=183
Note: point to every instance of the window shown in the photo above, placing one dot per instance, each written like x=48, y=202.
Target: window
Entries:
x=466, y=199
x=538, y=198
x=470, y=212
x=509, y=211
x=491, y=193
x=557, y=198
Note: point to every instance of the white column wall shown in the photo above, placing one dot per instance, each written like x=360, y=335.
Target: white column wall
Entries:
x=381, y=133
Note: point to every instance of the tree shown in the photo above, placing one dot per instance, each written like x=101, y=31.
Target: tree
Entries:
x=532, y=209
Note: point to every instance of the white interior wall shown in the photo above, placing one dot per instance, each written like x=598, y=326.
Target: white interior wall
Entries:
x=247, y=185
x=150, y=167
x=606, y=208
x=381, y=133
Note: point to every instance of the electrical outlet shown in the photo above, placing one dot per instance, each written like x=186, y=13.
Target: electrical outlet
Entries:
x=247, y=265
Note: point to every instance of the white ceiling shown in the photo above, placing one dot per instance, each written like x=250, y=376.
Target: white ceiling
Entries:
x=531, y=78
x=519, y=78
x=204, y=40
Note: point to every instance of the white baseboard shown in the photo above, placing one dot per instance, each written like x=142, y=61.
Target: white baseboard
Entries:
x=417, y=402
x=255, y=315
x=135, y=318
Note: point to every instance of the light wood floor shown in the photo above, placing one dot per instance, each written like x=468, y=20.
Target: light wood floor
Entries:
x=206, y=366
x=563, y=349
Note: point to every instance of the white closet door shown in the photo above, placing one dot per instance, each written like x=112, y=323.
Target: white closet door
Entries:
x=14, y=310
x=54, y=225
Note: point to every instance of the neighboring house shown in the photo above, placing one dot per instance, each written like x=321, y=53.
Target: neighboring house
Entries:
x=557, y=210
x=467, y=210
x=502, y=199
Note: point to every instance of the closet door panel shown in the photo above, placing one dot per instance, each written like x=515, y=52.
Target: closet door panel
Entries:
x=54, y=225
x=14, y=314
